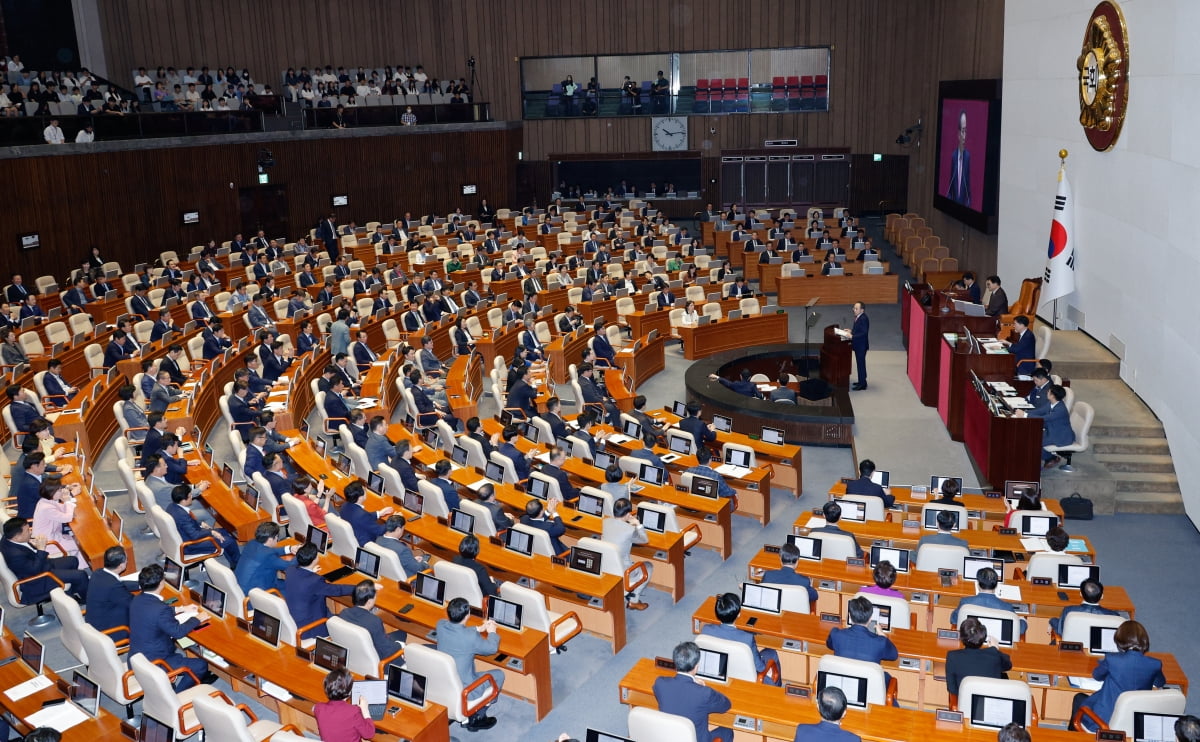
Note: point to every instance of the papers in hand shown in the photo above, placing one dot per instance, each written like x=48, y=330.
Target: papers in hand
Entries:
x=729, y=470
x=28, y=688
x=61, y=717
x=186, y=614
x=842, y=332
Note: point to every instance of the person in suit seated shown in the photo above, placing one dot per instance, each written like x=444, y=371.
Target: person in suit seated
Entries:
x=703, y=432
x=118, y=348
x=546, y=518
x=163, y=395
x=464, y=643
x=986, y=580
x=553, y=417
x=789, y=556
x=401, y=461
x=109, y=597
x=365, y=523
x=1126, y=669
x=1056, y=424
x=154, y=629
x=57, y=388
x=864, y=486
x=555, y=471
x=859, y=640
x=262, y=560
x=782, y=392
x=191, y=529
x=305, y=590
x=998, y=300
x=685, y=695
x=831, y=704
x=162, y=326
x=26, y=556
x=379, y=448
x=974, y=659
x=520, y=461
x=605, y=355
x=393, y=540
x=1024, y=347
x=11, y=354
x=31, y=308
x=522, y=396
x=727, y=609
x=28, y=484
x=139, y=303
x=1092, y=592
x=468, y=553
x=946, y=520
x=135, y=416
x=949, y=494
x=170, y=364
x=243, y=408
x=486, y=496
x=76, y=297
x=884, y=576
x=441, y=472
x=833, y=513
x=305, y=339
x=740, y=289
x=743, y=385
x=361, y=613
x=828, y=265
x=215, y=341
x=1041, y=385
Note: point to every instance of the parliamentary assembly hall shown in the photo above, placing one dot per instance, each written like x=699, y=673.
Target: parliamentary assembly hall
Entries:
x=670, y=371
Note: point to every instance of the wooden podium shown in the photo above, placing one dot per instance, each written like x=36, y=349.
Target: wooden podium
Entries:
x=835, y=358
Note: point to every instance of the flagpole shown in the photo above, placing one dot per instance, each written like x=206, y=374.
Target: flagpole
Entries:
x=1062, y=166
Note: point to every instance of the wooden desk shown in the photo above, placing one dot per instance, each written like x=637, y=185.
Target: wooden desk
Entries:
x=796, y=291
x=956, y=363
x=526, y=667
x=642, y=322
x=779, y=714
x=564, y=350
x=1001, y=448
x=704, y=340
x=104, y=726
x=464, y=386
x=786, y=461
x=924, y=327
x=603, y=614
x=987, y=508
x=247, y=655
x=646, y=361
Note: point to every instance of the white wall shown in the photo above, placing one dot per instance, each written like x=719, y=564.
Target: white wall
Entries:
x=1140, y=198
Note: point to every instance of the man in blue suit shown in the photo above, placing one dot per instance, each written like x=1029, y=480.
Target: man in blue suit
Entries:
x=305, y=591
x=327, y=233
x=1041, y=385
x=546, y=519
x=1091, y=591
x=860, y=343
x=728, y=608
x=26, y=557
x=523, y=396
x=684, y=695
x=401, y=461
x=255, y=450
x=262, y=560
x=865, y=486
x=190, y=529
x=1126, y=669
x=366, y=524
x=554, y=470
x=23, y=410
x=441, y=471
x=520, y=463
x=833, y=513
x=1024, y=347
x=742, y=385
x=789, y=555
x=986, y=579
x=859, y=641
x=57, y=387
x=831, y=703
x=215, y=342
x=959, y=189
x=29, y=483
x=1056, y=423
x=153, y=630
x=109, y=597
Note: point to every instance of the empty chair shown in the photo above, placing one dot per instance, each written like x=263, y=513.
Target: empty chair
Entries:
x=224, y=721
x=71, y=617
x=108, y=669
x=160, y=700
x=651, y=725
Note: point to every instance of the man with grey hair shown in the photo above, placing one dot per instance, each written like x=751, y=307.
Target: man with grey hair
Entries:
x=683, y=694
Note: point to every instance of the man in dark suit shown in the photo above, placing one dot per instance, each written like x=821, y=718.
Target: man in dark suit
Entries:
x=162, y=326
x=782, y=391
x=305, y=591
x=140, y=303
x=523, y=396
x=545, y=518
x=191, y=529
x=973, y=290
x=860, y=343
x=553, y=416
x=859, y=641
x=833, y=513
x=117, y=349
x=109, y=597
x=401, y=461
x=242, y=408
x=58, y=389
x=959, y=188
x=1092, y=593
x=17, y=290
x=702, y=432
x=215, y=342
x=29, y=483
x=683, y=695
x=864, y=486
x=789, y=555
x=740, y=289
x=1056, y=423
x=1024, y=347
x=153, y=630
x=26, y=557
x=163, y=395
x=463, y=644
x=998, y=301
x=76, y=296
x=742, y=385
x=1041, y=385
x=831, y=704
x=170, y=364
x=727, y=609
x=365, y=523
x=361, y=614
x=327, y=233
x=199, y=309
x=393, y=540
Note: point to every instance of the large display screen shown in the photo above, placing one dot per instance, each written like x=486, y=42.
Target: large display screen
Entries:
x=968, y=151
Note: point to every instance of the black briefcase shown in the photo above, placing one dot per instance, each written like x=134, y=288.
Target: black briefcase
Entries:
x=1076, y=507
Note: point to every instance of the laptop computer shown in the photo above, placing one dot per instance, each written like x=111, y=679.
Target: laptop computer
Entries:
x=213, y=599
x=366, y=563
x=406, y=686
x=897, y=557
x=585, y=560
x=374, y=692
x=153, y=730
x=679, y=444
x=1101, y=640
x=651, y=474
x=85, y=692
x=1149, y=727
x=594, y=735
x=518, y=541
x=265, y=627
x=761, y=598
x=853, y=510
x=462, y=521
x=722, y=423
x=317, y=538
x=1000, y=629
x=972, y=565
x=1037, y=525
x=772, y=435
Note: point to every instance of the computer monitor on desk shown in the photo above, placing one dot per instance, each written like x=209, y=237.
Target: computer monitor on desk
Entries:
x=1037, y=525
x=810, y=548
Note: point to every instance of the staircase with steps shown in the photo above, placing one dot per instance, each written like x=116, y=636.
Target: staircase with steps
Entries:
x=1128, y=468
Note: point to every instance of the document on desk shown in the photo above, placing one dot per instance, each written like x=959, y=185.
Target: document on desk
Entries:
x=815, y=521
x=1084, y=682
x=737, y=472
x=28, y=688
x=476, y=486
x=1077, y=545
x=1034, y=543
x=1017, y=403
x=61, y=717
x=618, y=438
x=1005, y=592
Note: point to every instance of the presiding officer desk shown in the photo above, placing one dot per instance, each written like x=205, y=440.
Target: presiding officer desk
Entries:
x=800, y=640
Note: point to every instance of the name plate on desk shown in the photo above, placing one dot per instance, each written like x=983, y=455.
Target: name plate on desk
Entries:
x=920, y=598
x=830, y=618
x=910, y=663
x=818, y=511
x=561, y=561
x=993, y=495
x=664, y=663
x=1007, y=531
x=771, y=548
x=1110, y=735
x=948, y=576
x=827, y=585
x=919, y=492
x=1037, y=678
x=1070, y=646
x=748, y=723
x=948, y=634
x=855, y=562
x=1041, y=581
x=796, y=691
x=910, y=524
x=949, y=717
